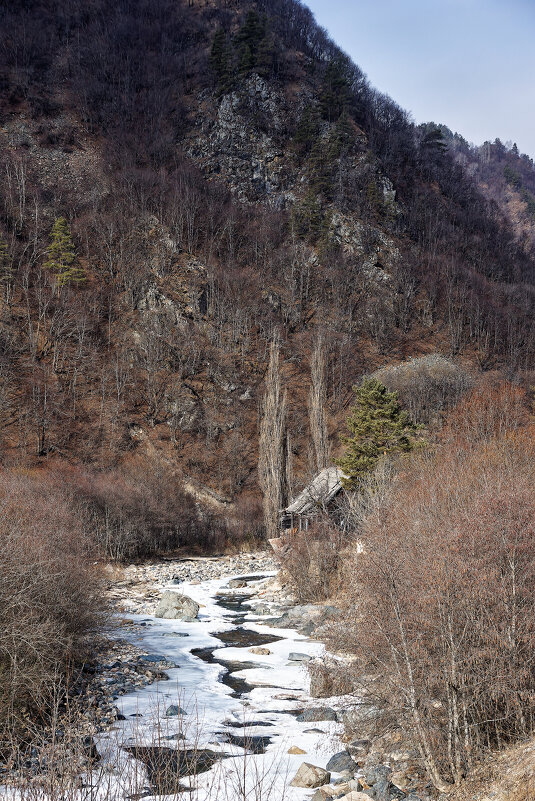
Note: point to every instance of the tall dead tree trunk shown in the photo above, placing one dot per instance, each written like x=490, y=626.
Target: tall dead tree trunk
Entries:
x=271, y=461
x=288, y=467
x=316, y=405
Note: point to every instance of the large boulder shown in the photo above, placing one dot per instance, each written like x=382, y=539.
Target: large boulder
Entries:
x=174, y=606
x=307, y=618
x=344, y=792
x=342, y=762
x=375, y=772
x=316, y=714
x=295, y=656
x=383, y=790
x=310, y=776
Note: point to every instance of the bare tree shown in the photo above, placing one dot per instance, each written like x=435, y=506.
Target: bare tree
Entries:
x=271, y=461
x=316, y=405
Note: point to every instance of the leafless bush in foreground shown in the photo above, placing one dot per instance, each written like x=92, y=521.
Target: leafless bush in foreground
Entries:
x=441, y=607
x=50, y=599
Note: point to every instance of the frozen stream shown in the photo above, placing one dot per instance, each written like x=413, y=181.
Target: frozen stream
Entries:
x=236, y=707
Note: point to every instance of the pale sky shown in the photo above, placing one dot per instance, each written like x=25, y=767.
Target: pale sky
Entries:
x=469, y=64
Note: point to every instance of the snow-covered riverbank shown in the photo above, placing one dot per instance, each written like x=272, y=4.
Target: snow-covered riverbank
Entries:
x=216, y=709
x=204, y=707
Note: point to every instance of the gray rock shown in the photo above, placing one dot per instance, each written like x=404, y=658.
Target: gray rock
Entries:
x=173, y=711
x=384, y=790
x=359, y=745
x=342, y=780
x=306, y=618
x=294, y=656
x=324, y=794
x=316, y=714
x=261, y=609
x=395, y=793
x=381, y=790
x=340, y=762
x=375, y=772
x=310, y=776
x=174, y=606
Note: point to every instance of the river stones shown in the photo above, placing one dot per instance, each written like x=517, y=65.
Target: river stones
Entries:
x=316, y=714
x=342, y=762
x=294, y=656
x=174, y=606
x=174, y=710
x=310, y=776
x=325, y=793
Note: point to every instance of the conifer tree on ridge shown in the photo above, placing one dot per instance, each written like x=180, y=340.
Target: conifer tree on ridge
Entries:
x=378, y=427
x=62, y=261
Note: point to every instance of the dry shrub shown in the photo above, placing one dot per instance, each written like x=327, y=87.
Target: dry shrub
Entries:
x=311, y=561
x=245, y=526
x=426, y=386
x=490, y=410
x=136, y=512
x=50, y=599
x=445, y=593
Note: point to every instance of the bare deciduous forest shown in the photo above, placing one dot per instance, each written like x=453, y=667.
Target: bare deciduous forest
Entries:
x=211, y=228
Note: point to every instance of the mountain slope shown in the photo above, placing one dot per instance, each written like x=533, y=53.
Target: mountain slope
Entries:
x=228, y=175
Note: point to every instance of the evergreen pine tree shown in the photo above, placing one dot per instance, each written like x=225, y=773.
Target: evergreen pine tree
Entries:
x=252, y=30
x=61, y=254
x=246, y=59
x=221, y=61
x=308, y=129
x=434, y=139
x=335, y=96
x=265, y=56
x=321, y=169
x=342, y=137
x=377, y=427
x=248, y=39
x=308, y=217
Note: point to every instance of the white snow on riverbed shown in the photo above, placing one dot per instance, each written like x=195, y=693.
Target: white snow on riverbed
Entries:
x=279, y=688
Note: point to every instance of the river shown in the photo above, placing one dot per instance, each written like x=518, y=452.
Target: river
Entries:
x=226, y=713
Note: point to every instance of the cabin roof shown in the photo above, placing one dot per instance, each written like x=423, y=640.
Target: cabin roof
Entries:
x=320, y=491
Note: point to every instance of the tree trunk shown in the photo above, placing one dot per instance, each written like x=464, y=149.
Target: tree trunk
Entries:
x=271, y=461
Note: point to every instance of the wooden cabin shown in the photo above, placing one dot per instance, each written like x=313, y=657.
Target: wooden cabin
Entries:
x=317, y=497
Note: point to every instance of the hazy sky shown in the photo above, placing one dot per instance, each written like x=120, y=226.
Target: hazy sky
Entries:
x=469, y=64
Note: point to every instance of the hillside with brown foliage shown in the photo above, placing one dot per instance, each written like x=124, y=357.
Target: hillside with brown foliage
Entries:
x=227, y=176
x=434, y=574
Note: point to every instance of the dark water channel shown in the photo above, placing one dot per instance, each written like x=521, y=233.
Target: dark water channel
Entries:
x=166, y=765
x=239, y=637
